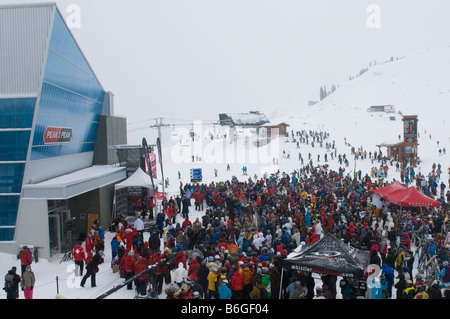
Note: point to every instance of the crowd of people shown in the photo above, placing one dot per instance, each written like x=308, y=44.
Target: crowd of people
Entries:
x=235, y=250
x=25, y=281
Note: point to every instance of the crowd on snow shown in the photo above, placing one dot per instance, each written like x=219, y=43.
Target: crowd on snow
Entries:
x=235, y=250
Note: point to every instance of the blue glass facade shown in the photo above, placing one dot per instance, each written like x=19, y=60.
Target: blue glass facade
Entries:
x=16, y=118
x=71, y=98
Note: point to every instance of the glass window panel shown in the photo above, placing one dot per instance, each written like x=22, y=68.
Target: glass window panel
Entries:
x=6, y=234
x=17, y=113
x=59, y=68
x=9, y=206
x=57, y=102
x=11, y=176
x=71, y=77
x=14, y=145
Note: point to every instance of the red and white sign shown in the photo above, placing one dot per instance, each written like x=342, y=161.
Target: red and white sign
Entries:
x=160, y=195
x=57, y=135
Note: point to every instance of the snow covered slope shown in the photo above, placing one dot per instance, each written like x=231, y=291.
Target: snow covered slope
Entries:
x=418, y=84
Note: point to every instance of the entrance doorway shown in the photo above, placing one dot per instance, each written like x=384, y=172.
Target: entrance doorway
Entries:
x=60, y=225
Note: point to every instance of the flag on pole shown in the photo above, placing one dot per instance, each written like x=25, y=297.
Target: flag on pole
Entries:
x=158, y=145
x=147, y=161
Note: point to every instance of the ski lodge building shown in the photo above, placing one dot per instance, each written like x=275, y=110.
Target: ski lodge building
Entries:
x=57, y=166
x=273, y=130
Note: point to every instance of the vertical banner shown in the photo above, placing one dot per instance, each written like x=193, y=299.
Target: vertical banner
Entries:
x=153, y=165
x=147, y=163
x=158, y=145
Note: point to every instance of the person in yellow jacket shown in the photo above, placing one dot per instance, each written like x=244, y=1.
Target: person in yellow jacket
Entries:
x=410, y=291
x=400, y=260
x=212, y=279
x=304, y=194
x=313, y=199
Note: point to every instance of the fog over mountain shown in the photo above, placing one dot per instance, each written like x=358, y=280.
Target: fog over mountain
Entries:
x=186, y=60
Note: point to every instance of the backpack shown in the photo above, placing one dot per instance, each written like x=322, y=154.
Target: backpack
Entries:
x=299, y=293
x=9, y=278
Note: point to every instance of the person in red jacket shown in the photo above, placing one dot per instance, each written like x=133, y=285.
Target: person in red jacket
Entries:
x=186, y=223
x=128, y=264
x=237, y=284
x=180, y=257
x=199, y=198
x=79, y=256
x=129, y=237
x=329, y=223
x=151, y=205
x=407, y=240
x=141, y=281
x=25, y=258
x=169, y=211
x=161, y=270
x=89, y=247
x=193, y=267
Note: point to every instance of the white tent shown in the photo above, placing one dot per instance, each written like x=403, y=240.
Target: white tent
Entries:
x=138, y=179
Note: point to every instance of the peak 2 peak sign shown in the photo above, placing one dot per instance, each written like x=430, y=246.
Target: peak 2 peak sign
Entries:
x=57, y=135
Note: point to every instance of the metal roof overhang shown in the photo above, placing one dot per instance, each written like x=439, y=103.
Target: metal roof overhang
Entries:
x=76, y=183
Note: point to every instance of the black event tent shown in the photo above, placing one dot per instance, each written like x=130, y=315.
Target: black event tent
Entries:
x=330, y=256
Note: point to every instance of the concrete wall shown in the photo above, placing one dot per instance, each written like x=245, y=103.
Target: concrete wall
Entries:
x=112, y=130
x=34, y=229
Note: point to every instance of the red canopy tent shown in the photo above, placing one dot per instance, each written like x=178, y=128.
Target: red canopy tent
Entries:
x=389, y=189
x=411, y=197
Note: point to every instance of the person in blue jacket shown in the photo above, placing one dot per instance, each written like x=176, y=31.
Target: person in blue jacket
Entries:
x=114, y=245
x=215, y=239
x=224, y=290
x=376, y=287
x=347, y=286
x=388, y=273
x=308, y=218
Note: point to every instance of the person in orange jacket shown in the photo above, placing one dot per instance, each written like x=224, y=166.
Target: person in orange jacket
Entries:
x=248, y=280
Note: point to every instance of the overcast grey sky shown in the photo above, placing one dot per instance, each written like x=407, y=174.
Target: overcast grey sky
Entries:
x=192, y=59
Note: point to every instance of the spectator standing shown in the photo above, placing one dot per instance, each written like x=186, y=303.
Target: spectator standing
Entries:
x=27, y=283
